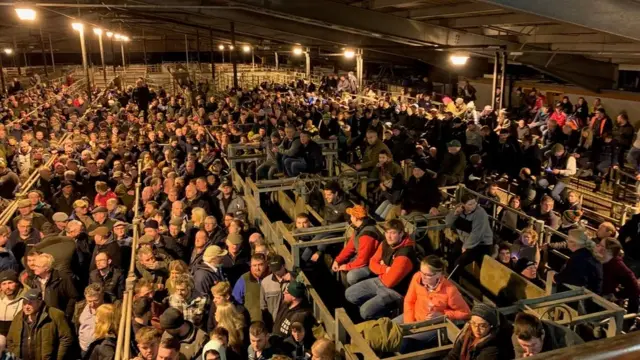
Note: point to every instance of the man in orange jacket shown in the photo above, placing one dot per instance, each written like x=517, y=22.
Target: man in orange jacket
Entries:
x=394, y=261
x=430, y=295
x=354, y=257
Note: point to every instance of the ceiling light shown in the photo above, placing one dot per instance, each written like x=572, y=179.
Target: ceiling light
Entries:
x=77, y=26
x=8, y=51
x=109, y=34
x=26, y=14
x=97, y=31
x=117, y=36
x=246, y=48
x=349, y=54
x=125, y=38
x=230, y=47
x=459, y=59
x=297, y=51
x=221, y=47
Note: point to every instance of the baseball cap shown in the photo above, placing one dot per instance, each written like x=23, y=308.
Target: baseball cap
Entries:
x=151, y=224
x=171, y=319
x=32, y=294
x=454, y=143
x=296, y=289
x=357, y=211
x=276, y=262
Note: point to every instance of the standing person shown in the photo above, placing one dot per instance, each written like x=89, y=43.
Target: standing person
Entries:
x=260, y=347
x=56, y=288
x=532, y=336
x=619, y=281
x=106, y=330
x=147, y=341
x=210, y=271
x=51, y=337
x=84, y=317
x=11, y=291
x=272, y=288
x=471, y=222
x=296, y=309
x=583, y=267
x=191, y=338
x=141, y=96
x=246, y=291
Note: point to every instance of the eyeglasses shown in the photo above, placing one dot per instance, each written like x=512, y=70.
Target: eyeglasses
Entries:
x=480, y=326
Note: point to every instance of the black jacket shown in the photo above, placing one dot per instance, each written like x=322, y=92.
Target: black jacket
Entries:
x=582, y=269
x=421, y=194
x=112, y=248
x=60, y=293
x=101, y=349
x=204, y=277
x=312, y=154
x=112, y=283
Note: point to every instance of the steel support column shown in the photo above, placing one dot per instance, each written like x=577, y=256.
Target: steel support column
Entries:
x=44, y=54
x=144, y=48
x=104, y=67
x=360, y=68
x=276, y=53
x=503, y=77
x=213, y=70
x=186, y=50
x=198, y=48
x=496, y=59
x=85, y=65
x=53, y=59
x=4, y=89
x=307, y=63
x=16, y=58
x=113, y=56
x=232, y=55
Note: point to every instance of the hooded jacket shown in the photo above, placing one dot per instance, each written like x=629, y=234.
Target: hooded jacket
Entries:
x=9, y=308
x=52, y=340
x=286, y=316
x=555, y=337
x=397, y=263
x=361, y=246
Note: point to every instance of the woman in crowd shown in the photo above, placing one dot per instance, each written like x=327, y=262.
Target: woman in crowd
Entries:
x=527, y=246
x=105, y=333
x=430, y=296
x=485, y=337
x=176, y=269
x=619, y=281
x=235, y=323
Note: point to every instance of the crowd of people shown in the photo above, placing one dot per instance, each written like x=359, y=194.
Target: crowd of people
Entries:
x=209, y=286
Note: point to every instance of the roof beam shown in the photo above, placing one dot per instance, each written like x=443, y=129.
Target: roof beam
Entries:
x=379, y=4
x=571, y=39
x=494, y=20
x=472, y=9
x=616, y=17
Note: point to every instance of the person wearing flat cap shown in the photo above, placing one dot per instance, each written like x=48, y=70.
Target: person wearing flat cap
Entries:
x=236, y=261
x=295, y=308
x=65, y=199
x=60, y=220
x=100, y=215
x=11, y=291
x=105, y=243
x=38, y=221
x=163, y=243
x=210, y=271
x=485, y=336
x=192, y=339
x=81, y=213
x=52, y=338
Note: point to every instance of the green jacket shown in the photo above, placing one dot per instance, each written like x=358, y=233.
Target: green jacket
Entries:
x=370, y=158
x=52, y=338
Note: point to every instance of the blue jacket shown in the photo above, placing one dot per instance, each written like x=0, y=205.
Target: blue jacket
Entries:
x=205, y=277
x=8, y=261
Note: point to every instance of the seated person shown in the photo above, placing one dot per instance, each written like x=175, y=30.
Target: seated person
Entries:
x=619, y=281
x=545, y=212
x=532, y=336
x=504, y=255
x=353, y=260
x=527, y=246
x=485, y=336
x=393, y=263
x=430, y=296
x=308, y=159
x=561, y=166
x=491, y=192
x=371, y=154
x=453, y=165
x=421, y=194
x=529, y=270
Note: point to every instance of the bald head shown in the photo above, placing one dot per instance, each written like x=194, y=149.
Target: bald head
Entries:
x=256, y=238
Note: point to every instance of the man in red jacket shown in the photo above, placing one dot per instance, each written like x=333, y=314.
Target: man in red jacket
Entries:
x=354, y=257
x=393, y=263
